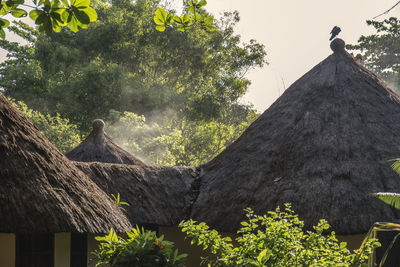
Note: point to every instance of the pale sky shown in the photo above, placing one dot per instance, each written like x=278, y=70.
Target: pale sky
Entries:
x=296, y=35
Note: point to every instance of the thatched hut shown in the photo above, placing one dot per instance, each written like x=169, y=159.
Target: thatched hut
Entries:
x=157, y=196
x=323, y=146
x=98, y=147
x=47, y=206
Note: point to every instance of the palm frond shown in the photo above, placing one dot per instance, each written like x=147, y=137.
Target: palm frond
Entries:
x=396, y=165
x=392, y=199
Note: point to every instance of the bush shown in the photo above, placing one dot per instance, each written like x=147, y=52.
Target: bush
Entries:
x=141, y=249
x=277, y=239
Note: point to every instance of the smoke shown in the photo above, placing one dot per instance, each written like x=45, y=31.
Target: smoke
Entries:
x=152, y=139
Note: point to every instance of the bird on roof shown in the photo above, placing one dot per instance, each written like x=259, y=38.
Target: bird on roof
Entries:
x=335, y=31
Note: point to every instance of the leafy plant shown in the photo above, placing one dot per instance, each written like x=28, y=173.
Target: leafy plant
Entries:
x=119, y=203
x=142, y=248
x=194, y=16
x=50, y=15
x=277, y=239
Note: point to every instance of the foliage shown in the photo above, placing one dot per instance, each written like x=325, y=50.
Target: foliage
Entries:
x=392, y=199
x=175, y=142
x=122, y=63
x=119, y=203
x=381, y=51
x=194, y=16
x=277, y=239
x=142, y=248
x=59, y=131
x=50, y=15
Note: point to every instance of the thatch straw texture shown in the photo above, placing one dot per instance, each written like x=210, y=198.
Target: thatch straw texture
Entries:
x=98, y=147
x=159, y=196
x=323, y=146
x=41, y=191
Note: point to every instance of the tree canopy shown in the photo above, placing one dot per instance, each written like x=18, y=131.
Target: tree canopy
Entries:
x=186, y=85
x=381, y=50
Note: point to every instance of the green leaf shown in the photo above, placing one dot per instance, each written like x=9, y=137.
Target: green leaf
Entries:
x=90, y=12
x=18, y=13
x=34, y=14
x=79, y=3
x=202, y=3
x=185, y=18
x=191, y=9
x=82, y=17
x=2, y=34
x=4, y=23
x=160, y=28
x=161, y=14
x=392, y=199
x=178, y=19
x=209, y=20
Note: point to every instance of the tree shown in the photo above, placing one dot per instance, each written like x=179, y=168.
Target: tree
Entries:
x=122, y=63
x=59, y=131
x=381, y=51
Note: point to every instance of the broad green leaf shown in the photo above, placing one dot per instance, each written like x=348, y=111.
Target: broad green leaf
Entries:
x=4, y=9
x=2, y=34
x=34, y=14
x=191, y=9
x=392, y=199
x=79, y=3
x=161, y=14
x=4, y=23
x=177, y=19
x=160, y=28
x=82, y=17
x=56, y=17
x=158, y=21
x=202, y=3
x=209, y=20
x=18, y=13
x=90, y=12
x=185, y=18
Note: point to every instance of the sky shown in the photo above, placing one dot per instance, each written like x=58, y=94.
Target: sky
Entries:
x=296, y=36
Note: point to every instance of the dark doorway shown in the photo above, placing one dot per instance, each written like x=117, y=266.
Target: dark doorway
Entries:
x=79, y=250
x=34, y=250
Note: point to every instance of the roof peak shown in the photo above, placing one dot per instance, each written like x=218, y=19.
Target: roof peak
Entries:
x=338, y=45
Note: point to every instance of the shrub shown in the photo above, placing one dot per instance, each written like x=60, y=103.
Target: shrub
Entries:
x=277, y=239
x=142, y=248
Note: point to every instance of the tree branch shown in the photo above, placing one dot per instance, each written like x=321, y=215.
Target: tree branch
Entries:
x=387, y=11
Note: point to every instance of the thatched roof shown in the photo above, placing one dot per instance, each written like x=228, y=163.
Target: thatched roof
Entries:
x=41, y=191
x=157, y=195
x=98, y=147
x=323, y=146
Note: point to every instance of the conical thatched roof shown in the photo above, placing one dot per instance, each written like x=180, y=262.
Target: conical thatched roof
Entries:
x=323, y=146
x=41, y=191
x=160, y=196
x=98, y=147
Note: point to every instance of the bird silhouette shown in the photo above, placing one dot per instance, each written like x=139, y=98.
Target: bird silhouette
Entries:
x=335, y=31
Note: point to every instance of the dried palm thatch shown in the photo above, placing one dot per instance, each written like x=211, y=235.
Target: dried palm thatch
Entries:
x=322, y=146
x=41, y=191
x=156, y=195
x=98, y=147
